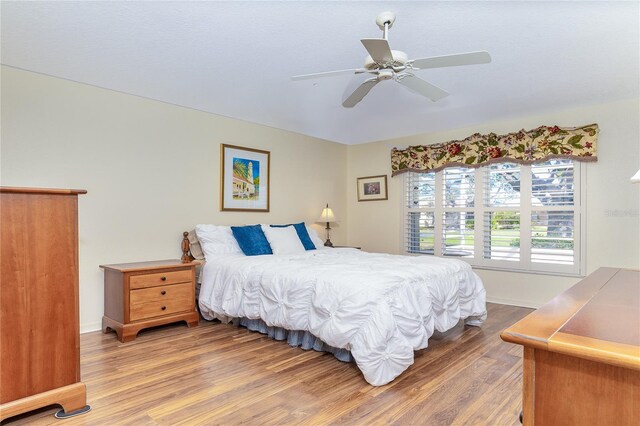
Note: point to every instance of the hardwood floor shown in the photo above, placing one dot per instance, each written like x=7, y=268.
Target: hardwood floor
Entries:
x=220, y=374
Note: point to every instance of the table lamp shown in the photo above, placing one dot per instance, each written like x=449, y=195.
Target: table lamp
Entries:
x=328, y=217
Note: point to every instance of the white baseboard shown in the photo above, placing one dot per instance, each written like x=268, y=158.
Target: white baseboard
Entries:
x=89, y=327
x=521, y=303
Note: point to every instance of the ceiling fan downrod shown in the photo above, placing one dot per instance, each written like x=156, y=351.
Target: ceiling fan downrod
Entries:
x=385, y=20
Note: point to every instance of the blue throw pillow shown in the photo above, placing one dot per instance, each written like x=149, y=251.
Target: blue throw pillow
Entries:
x=301, y=229
x=251, y=240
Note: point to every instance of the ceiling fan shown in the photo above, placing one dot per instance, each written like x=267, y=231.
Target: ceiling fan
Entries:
x=386, y=64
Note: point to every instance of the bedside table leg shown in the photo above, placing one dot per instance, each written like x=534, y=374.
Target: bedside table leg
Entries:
x=130, y=332
x=110, y=325
x=193, y=320
x=127, y=337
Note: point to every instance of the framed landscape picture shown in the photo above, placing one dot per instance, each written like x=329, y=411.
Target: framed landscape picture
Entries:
x=372, y=188
x=244, y=179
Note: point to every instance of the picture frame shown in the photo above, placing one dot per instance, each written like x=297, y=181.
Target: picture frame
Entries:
x=372, y=188
x=244, y=179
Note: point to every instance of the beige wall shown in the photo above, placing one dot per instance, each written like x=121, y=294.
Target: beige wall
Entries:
x=151, y=170
x=612, y=203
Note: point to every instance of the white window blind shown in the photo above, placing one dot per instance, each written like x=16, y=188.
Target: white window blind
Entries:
x=553, y=215
x=501, y=219
x=421, y=202
x=458, y=220
x=502, y=216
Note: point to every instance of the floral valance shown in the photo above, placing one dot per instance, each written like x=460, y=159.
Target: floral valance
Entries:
x=525, y=147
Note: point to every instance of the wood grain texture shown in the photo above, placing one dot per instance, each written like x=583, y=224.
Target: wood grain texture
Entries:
x=148, y=294
x=51, y=191
x=39, y=337
x=147, y=266
x=536, y=329
x=603, y=351
x=70, y=398
x=528, y=386
x=114, y=295
x=607, y=394
x=163, y=300
x=583, y=347
x=618, y=302
x=39, y=315
x=146, y=279
x=220, y=374
x=128, y=331
x=597, y=319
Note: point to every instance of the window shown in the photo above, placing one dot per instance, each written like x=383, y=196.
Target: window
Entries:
x=501, y=216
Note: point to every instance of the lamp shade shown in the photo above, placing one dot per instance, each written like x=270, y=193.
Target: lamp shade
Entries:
x=636, y=178
x=327, y=215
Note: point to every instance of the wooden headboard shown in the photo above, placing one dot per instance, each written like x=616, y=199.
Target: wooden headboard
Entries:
x=186, y=249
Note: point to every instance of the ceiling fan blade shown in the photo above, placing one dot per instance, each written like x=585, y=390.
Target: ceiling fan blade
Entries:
x=379, y=49
x=470, y=58
x=360, y=92
x=329, y=74
x=421, y=87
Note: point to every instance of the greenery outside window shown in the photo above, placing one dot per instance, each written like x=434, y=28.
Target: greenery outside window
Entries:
x=500, y=216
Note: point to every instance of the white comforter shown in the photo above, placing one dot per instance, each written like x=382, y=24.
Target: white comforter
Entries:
x=381, y=307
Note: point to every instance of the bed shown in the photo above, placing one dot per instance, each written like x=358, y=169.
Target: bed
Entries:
x=380, y=307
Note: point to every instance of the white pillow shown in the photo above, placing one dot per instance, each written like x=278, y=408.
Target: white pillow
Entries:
x=315, y=239
x=216, y=240
x=283, y=240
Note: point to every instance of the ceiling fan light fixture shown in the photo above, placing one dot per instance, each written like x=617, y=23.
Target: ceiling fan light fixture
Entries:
x=385, y=74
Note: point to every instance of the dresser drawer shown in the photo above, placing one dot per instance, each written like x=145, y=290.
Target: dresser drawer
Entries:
x=160, y=278
x=162, y=300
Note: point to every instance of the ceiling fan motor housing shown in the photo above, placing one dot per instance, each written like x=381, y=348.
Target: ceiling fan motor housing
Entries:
x=400, y=59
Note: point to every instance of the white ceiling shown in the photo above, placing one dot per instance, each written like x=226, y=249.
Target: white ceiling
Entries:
x=235, y=58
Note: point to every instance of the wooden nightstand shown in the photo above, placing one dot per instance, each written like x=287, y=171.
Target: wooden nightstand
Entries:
x=146, y=294
x=359, y=248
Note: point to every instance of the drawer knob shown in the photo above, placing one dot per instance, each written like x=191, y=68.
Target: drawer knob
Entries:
x=163, y=292
x=163, y=308
x=163, y=278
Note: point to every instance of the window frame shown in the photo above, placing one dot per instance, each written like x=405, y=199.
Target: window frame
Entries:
x=524, y=264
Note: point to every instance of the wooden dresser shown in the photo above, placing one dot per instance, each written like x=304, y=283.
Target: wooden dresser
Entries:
x=40, y=336
x=147, y=294
x=582, y=353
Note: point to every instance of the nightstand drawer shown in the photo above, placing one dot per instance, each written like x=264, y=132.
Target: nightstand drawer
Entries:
x=162, y=278
x=161, y=300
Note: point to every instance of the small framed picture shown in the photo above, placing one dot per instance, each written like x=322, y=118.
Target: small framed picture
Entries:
x=372, y=188
x=244, y=179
